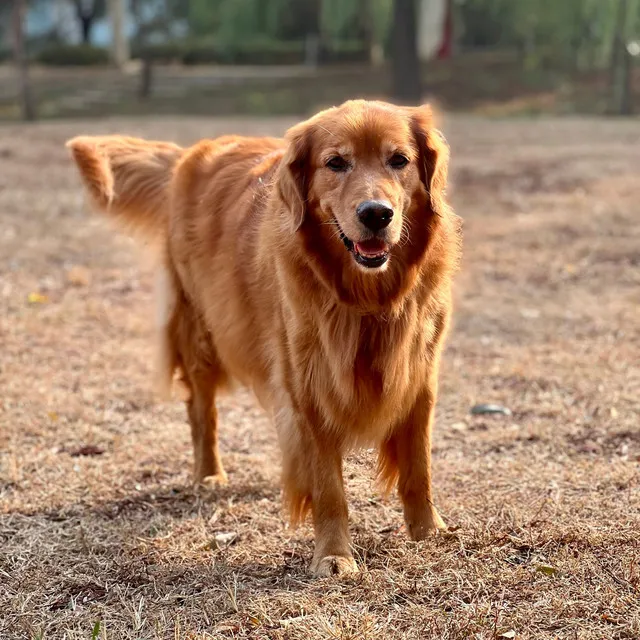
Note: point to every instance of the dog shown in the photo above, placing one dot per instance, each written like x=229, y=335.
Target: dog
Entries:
x=317, y=270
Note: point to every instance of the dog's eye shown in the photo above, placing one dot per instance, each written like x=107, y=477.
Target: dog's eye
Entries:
x=337, y=164
x=398, y=161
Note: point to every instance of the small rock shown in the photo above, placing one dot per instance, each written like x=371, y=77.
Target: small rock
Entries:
x=224, y=539
x=459, y=426
x=482, y=409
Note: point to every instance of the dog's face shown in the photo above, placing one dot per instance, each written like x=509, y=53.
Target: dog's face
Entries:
x=366, y=174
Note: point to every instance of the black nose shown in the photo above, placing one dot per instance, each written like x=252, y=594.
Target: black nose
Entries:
x=375, y=214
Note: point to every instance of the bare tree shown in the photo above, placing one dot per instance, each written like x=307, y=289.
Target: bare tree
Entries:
x=87, y=12
x=310, y=15
x=405, y=65
x=368, y=32
x=621, y=67
x=119, y=41
x=27, y=107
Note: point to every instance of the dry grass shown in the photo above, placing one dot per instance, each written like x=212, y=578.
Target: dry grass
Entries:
x=98, y=522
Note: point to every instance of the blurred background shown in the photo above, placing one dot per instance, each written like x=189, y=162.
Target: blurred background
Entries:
x=82, y=58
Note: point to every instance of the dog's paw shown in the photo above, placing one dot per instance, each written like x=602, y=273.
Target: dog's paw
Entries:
x=212, y=482
x=428, y=524
x=333, y=566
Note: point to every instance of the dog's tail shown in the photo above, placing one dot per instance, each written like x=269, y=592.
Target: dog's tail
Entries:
x=128, y=178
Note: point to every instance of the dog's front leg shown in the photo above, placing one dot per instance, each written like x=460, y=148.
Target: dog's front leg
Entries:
x=312, y=474
x=406, y=455
x=330, y=516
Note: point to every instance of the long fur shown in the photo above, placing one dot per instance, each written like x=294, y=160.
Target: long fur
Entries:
x=129, y=178
x=258, y=287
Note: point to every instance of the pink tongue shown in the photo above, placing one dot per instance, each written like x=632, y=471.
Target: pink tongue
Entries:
x=371, y=248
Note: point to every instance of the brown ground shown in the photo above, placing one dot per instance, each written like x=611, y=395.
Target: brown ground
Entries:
x=98, y=522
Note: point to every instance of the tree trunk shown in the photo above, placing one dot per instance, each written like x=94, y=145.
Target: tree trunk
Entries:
x=146, y=78
x=373, y=48
x=27, y=107
x=621, y=64
x=446, y=46
x=86, y=24
x=119, y=41
x=405, y=65
x=309, y=14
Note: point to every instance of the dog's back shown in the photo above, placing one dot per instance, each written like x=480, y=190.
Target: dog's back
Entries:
x=220, y=195
x=204, y=204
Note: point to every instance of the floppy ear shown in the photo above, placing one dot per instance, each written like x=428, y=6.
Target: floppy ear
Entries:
x=434, y=155
x=293, y=180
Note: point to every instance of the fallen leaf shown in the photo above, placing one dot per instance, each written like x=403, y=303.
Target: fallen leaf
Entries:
x=589, y=446
x=227, y=627
x=224, y=539
x=547, y=569
x=86, y=450
x=508, y=634
x=289, y=621
x=37, y=298
x=79, y=276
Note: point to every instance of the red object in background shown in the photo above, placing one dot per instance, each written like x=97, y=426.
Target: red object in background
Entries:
x=446, y=46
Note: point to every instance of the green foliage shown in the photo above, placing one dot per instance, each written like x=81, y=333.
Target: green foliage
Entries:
x=96, y=631
x=571, y=33
x=257, y=51
x=73, y=55
x=169, y=51
x=547, y=33
x=203, y=16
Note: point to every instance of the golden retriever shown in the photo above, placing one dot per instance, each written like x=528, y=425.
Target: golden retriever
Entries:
x=315, y=269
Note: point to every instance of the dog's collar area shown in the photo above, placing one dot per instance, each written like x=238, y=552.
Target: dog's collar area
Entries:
x=370, y=262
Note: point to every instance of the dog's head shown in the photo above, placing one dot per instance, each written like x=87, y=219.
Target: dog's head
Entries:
x=363, y=182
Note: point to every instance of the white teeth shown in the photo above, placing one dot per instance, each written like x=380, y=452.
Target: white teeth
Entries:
x=371, y=254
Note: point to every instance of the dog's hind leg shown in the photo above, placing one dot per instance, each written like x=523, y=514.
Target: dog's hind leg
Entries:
x=203, y=417
x=188, y=348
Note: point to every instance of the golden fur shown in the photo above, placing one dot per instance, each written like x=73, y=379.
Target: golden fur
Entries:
x=258, y=286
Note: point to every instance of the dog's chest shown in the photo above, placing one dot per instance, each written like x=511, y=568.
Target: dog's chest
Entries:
x=365, y=375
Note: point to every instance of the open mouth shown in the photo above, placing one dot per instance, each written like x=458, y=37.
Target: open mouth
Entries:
x=370, y=253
